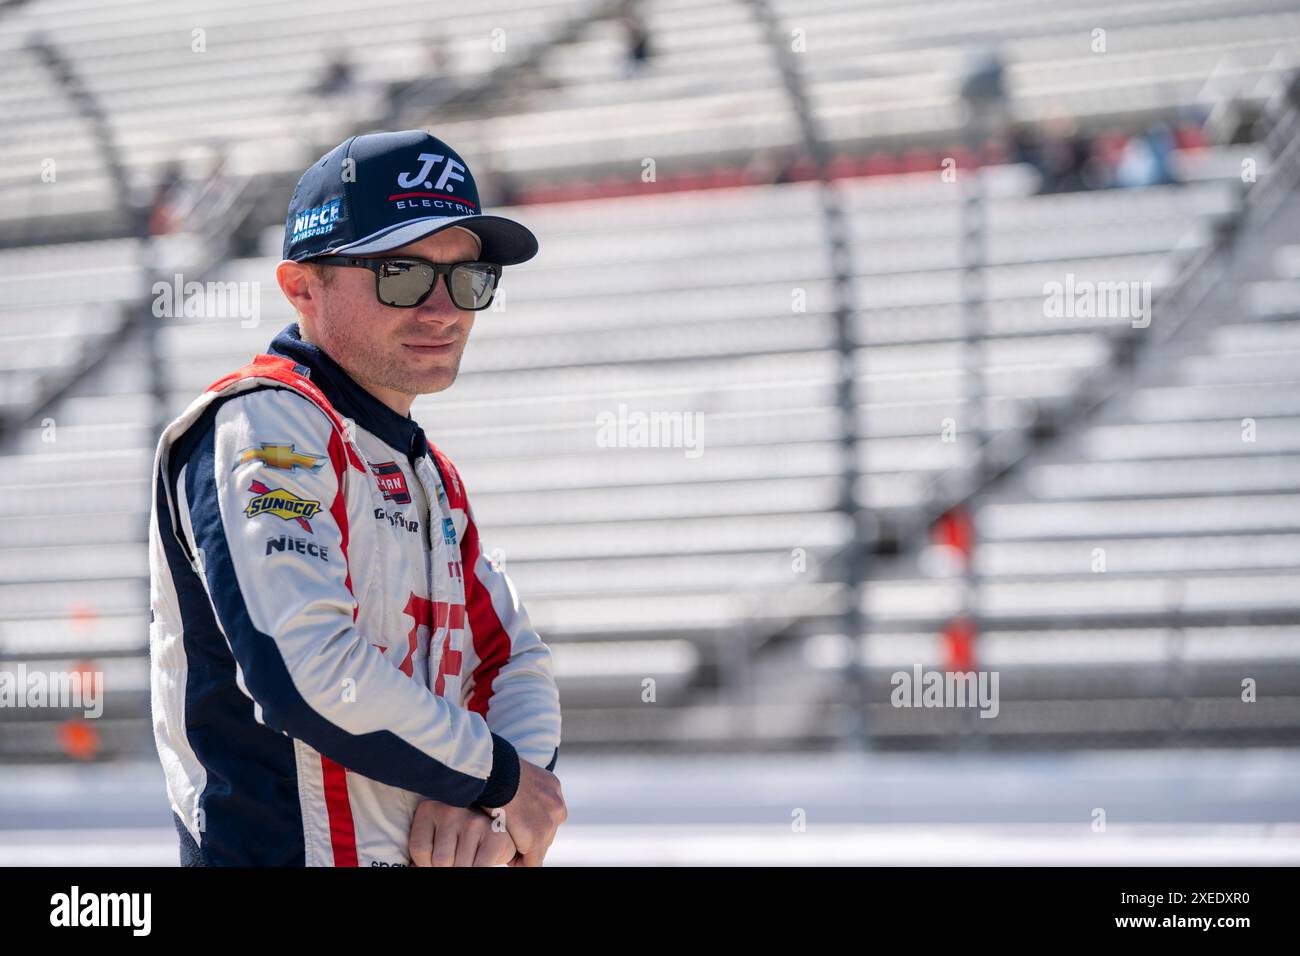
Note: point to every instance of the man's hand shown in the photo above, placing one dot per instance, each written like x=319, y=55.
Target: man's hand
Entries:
x=443, y=835
x=534, y=814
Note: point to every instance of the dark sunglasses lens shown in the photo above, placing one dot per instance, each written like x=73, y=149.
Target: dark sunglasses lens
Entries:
x=403, y=284
x=472, y=285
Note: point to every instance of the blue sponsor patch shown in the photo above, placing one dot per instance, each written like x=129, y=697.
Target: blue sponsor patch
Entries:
x=448, y=531
x=316, y=221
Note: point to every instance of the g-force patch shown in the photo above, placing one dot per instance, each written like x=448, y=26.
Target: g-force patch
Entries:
x=283, y=504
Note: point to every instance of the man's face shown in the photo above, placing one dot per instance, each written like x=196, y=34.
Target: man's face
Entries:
x=395, y=353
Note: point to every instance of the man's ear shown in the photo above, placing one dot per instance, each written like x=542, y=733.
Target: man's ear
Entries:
x=301, y=286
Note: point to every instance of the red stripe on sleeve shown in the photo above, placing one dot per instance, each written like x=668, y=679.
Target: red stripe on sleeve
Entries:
x=491, y=642
x=339, y=511
x=343, y=834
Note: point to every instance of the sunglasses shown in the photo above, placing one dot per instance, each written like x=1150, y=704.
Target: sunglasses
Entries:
x=405, y=281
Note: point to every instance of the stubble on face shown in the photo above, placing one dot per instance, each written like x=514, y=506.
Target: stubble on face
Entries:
x=369, y=340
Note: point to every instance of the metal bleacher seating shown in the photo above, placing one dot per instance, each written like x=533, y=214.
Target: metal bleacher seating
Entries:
x=714, y=574
x=228, y=74
x=637, y=562
x=878, y=73
x=1135, y=575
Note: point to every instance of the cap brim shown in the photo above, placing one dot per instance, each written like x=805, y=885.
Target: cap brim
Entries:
x=504, y=241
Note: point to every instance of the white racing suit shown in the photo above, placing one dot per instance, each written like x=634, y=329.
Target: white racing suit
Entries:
x=329, y=645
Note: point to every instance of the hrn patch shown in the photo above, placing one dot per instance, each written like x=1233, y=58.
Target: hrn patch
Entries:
x=392, y=482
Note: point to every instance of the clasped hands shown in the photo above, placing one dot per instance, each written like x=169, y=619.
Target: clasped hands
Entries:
x=518, y=834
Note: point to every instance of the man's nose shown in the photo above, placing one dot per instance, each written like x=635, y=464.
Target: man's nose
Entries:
x=438, y=309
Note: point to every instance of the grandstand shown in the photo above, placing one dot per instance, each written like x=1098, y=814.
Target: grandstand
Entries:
x=708, y=294
x=879, y=75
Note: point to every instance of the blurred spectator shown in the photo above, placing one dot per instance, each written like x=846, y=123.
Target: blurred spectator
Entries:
x=637, y=36
x=338, y=75
x=1068, y=159
x=1025, y=147
x=438, y=84
x=1063, y=155
x=161, y=215
x=770, y=165
x=1145, y=160
x=193, y=191
x=496, y=186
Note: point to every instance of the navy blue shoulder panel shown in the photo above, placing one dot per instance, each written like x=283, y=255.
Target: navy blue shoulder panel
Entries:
x=249, y=814
x=183, y=448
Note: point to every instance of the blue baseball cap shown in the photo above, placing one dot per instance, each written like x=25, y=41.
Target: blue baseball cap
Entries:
x=376, y=192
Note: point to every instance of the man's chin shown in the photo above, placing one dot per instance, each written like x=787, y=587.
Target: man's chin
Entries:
x=426, y=377
x=430, y=383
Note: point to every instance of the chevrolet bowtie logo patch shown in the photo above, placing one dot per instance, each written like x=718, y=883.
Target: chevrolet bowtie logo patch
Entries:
x=281, y=456
x=281, y=503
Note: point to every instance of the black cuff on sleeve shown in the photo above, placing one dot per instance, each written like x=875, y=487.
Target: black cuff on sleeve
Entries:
x=503, y=781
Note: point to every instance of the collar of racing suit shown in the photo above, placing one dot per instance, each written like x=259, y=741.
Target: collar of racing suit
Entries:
x=349, y=398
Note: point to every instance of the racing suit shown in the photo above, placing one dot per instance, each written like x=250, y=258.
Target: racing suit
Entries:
x=329, y=645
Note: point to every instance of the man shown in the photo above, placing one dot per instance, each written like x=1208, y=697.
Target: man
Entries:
x=339, y=675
